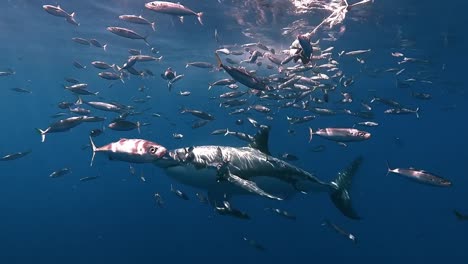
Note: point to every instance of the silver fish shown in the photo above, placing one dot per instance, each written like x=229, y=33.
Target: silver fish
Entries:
x=127, y=33
x=340, y=230
x=138, y=20
x=59, y=173
x=14, y=156
x=174, y=9
x=340, y=134
x=420, y=176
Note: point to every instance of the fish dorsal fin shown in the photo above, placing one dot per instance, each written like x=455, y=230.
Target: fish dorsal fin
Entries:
x=260, y=140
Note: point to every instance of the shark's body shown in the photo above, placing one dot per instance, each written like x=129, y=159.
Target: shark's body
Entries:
x=226, y=171
x=271, y=174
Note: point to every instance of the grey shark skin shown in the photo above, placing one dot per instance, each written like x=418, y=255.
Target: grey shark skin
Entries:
x=276, y=179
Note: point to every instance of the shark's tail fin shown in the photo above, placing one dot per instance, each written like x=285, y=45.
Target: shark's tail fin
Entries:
x=341, y=185
x=261, y=139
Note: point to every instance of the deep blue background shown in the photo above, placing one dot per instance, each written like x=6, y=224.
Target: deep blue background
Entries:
x=114, y=219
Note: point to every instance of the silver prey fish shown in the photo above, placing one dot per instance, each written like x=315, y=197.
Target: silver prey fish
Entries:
x=225, y=171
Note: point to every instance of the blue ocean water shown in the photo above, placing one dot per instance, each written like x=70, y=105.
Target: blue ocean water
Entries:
x=115, y=218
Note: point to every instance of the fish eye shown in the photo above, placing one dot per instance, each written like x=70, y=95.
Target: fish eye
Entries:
x=153, y=150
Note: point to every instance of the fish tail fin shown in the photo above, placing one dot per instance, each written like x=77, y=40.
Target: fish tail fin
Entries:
x=340, y=189
x=181, y=18
x=169, y=85
x=121, y=77
x=94, y=150
x=417, y=112
x=199, y=17
x=104, y=47
x=42, y=133
x=138, y=127
x=153, y=26
x=79, y=101
x=187, y=65
x=210, y=86
x=227, y=132
x=388, y=168
x=311, y=133
x=145, y=39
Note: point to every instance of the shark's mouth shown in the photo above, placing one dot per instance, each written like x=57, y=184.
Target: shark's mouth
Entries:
x=169, y=159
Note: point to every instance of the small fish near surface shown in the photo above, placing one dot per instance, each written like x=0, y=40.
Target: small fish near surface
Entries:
x=88, y=178
x=200, y=64
x=243, y=76
x=420, y=176
x=159, y=200
x=177, y=136
x=254, y=244
x=130, y=150
x=367, y=124
x=200, y=123
x=341, y=134
x=98, y=44
x=127, y=33
x=81, y=41
x=8, y=72
x=60, y=172
x=96, y=132
x=174, y=9
x=21, y=90
x=60, y=126
x=138, y=20
x=124, y=125
x=282, y=213
x=402, y=111
x=59, y=12
x=14, y=156
x=179, y=193
x=78, y=65
x=198, y=113
x=290, y=157
x=340, y=231
x=226, y=209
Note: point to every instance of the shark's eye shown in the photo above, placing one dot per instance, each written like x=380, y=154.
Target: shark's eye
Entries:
x=153, y=150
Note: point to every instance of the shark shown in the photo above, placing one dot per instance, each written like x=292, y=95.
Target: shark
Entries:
x=225, y=171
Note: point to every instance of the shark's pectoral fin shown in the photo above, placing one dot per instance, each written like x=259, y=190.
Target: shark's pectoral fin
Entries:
x=249, y=186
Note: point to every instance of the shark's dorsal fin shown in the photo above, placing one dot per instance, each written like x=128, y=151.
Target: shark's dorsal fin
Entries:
x=260, y=141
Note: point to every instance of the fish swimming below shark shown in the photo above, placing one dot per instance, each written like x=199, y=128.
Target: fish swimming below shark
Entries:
x=225, y=171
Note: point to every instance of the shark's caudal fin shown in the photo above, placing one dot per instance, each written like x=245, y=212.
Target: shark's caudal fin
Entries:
x=261, y=139
x=340, y=194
